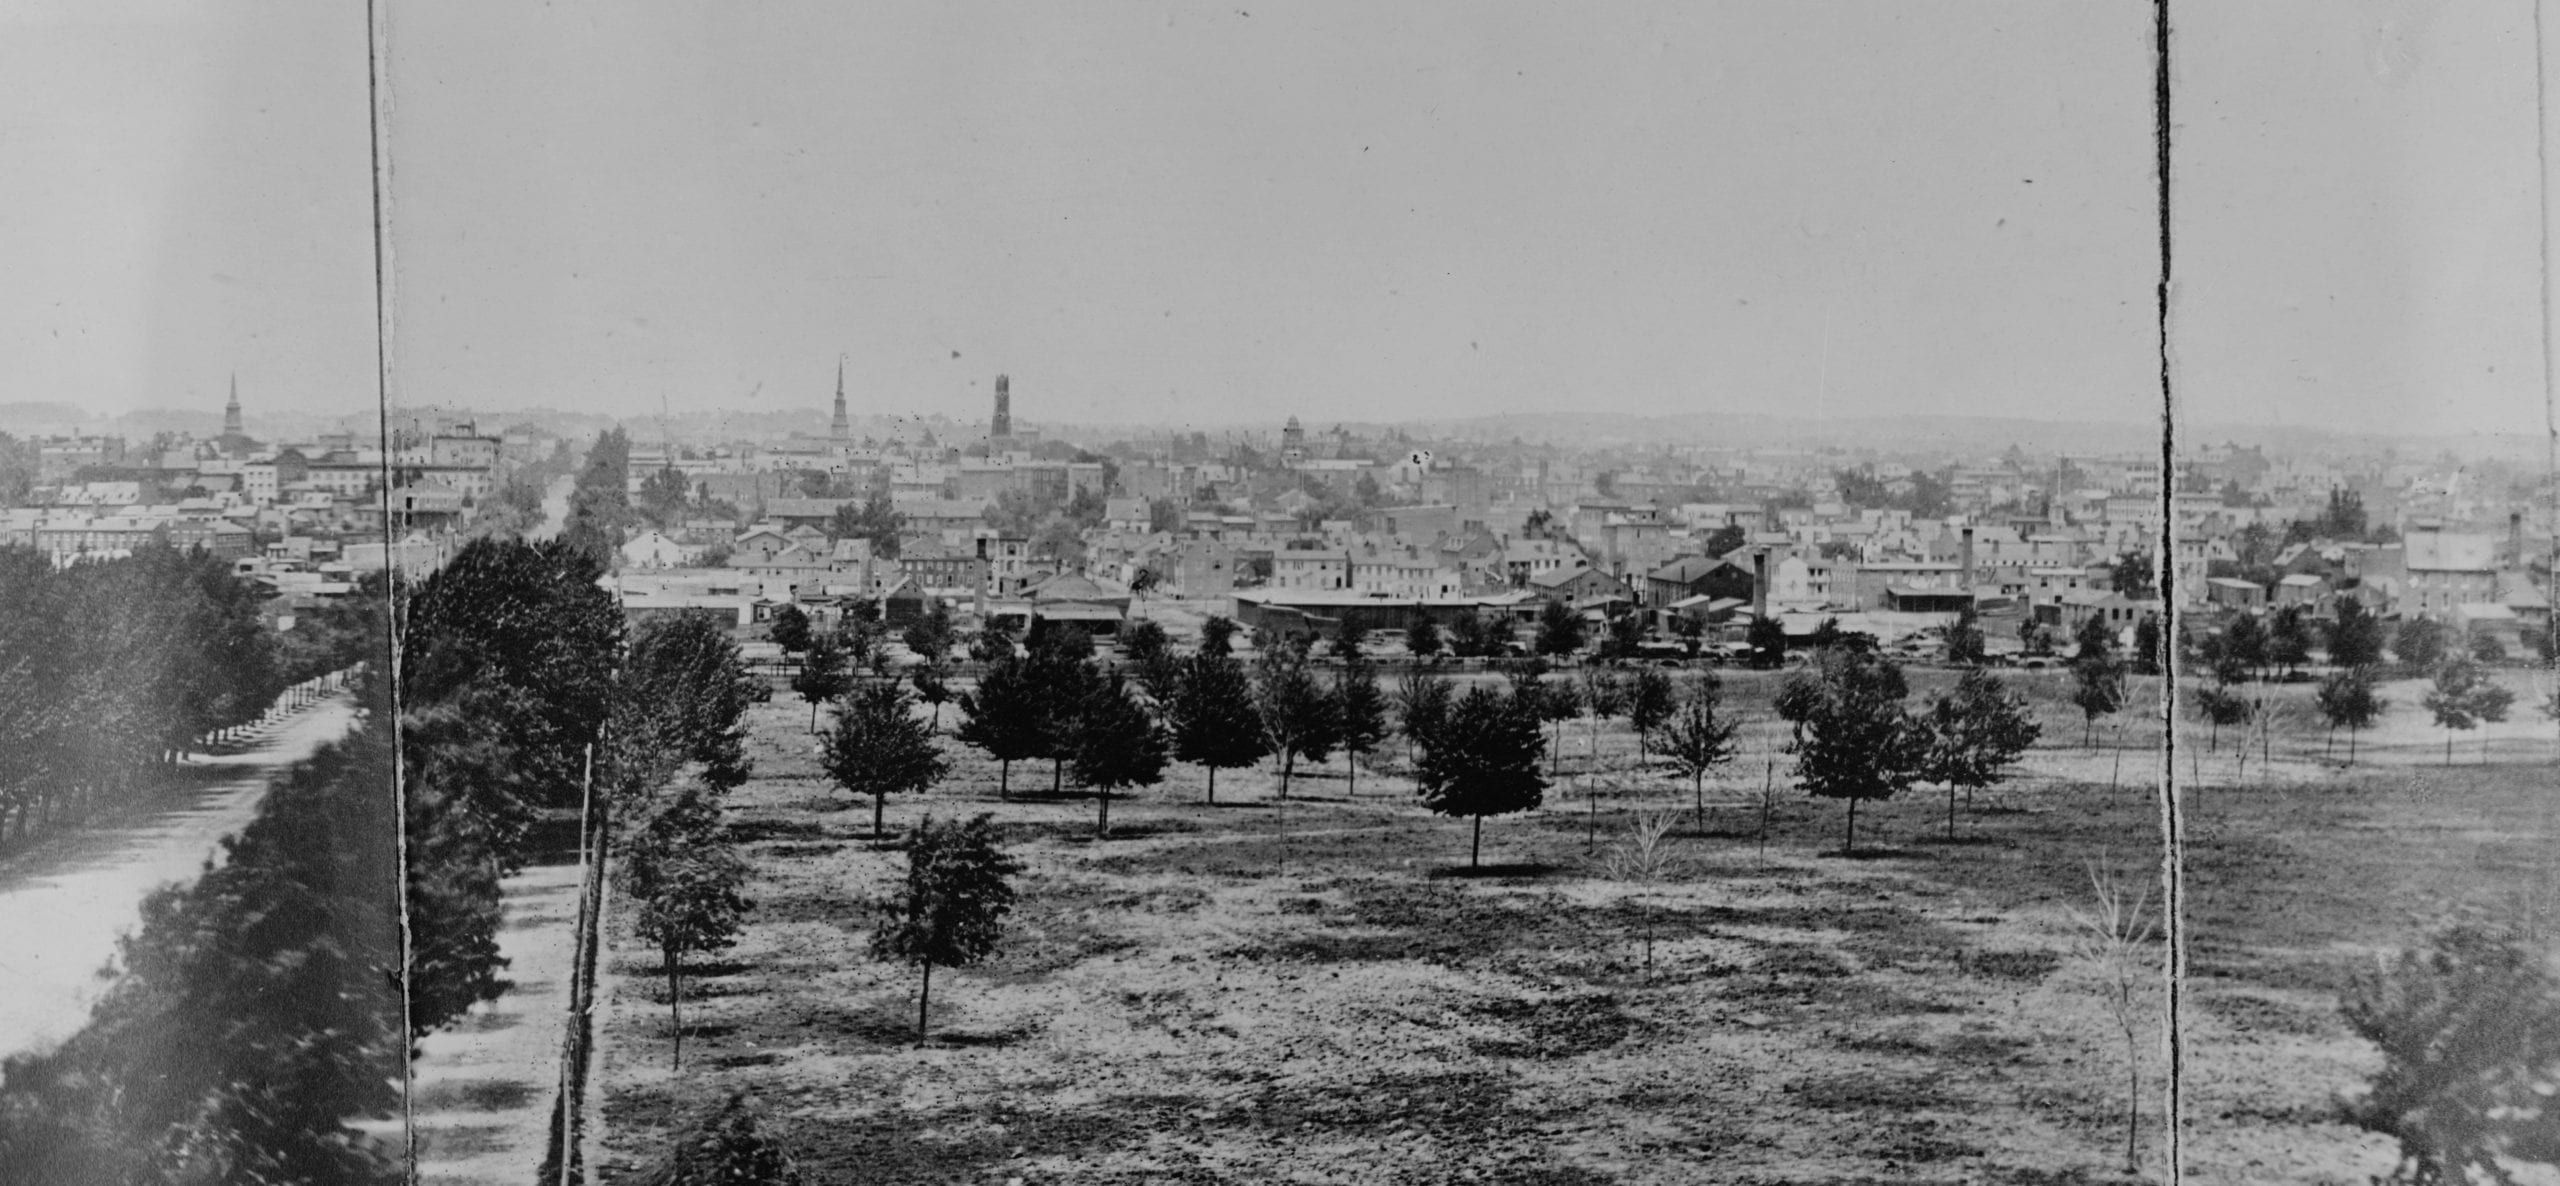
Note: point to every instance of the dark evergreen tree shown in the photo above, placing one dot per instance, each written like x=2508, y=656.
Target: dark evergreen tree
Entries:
x=1362, y=712
x=1853, y=740
x=1004, y=718
x=1976, y=733
x=1299, y=719
x=1214, y=720
x=879, y=748
x=1117, y=746
x=1484, y=762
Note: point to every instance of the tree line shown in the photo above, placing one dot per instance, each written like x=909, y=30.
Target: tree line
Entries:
x=112, y=669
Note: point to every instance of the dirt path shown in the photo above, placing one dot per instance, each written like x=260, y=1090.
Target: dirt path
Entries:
x=64, y=904
x=484, y=1087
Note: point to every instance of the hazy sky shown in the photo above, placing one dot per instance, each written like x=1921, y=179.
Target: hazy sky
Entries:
x=1229, y=214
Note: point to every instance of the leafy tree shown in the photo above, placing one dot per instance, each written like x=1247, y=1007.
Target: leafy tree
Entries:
x=679, y=698
x=993, y=645
x=2463, y=697
x=1422, y=639
x=663, y=497
x=1768, y=642
x=932, y=635
x=1348, y=637
x=1976, y=733
x=2131, y=575
x=1484, y=762
x=2466, y=1040
x=686, y=879
x=1698, y=738
x=2034, y=638
x=2419, y=643
x=1650, y=702
x=1362, y=710
x=2094, y=638
x=1066, y=680
x=1964, y=638
x=879, y=748
x=1560, y=629
x=822, y=676
x=1144, y=640
x=2245, y=643
x=788, y=628
x=2356, y=640
x=1726, y=540
x=1163, y=515
x=1422, y=705
x=723, y=1147
x=1299, y=720
x=1626, y=636
x=2486, y=648
x=948, y=911
x=1852, y=739
x=932, y=682
x=2147, y=654
x=1117, y=746
x=2222, y=706
x=1555, y=701
x=2097, y=690
x=1003, y=717
x=2289, y=638
x=600, y=514
x=1217, y=635
x=1213, y=718
x=2347, y=698
x=874, y=519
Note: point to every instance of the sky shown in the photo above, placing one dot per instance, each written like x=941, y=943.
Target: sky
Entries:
x=1224, y=215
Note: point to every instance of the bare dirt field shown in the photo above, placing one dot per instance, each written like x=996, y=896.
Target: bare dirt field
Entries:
x=1198, y=999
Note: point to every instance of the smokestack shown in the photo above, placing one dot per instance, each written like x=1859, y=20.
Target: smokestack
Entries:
x=2515, y=537
x=1760, y=584
x=1966, y=581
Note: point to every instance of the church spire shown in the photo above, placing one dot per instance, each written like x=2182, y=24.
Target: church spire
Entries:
x=231, y=411
x=841, y=428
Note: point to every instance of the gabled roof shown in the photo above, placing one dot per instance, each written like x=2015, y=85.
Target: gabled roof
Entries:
x=2441, y=551
x=1689, y=568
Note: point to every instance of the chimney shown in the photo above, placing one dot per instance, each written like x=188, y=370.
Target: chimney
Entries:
x=2515, y=537
x=1760, y=584
x=1965, y=582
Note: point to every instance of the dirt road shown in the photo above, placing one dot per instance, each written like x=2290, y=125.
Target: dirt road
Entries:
x=64, y=905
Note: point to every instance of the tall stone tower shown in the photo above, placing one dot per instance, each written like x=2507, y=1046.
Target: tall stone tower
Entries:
x=1001, y=428
x=231, y=411
x=841, y=429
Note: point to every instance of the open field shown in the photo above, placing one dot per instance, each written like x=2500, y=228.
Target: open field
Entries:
x=1197, y=998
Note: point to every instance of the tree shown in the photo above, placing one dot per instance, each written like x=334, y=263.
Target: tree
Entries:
x=1555, y=701
x=1422, y=639
x=2131, y=575
x=1064, y=680
x=2147, y=656
x=1422, y=705
x=1484, y=762
x=932, y=635
x=1163, y=515
x=1298, y=719
x=1976, y=732
x=2034, y=638
x=2347, y=698
x=2222, y=706
x=1348, y=637
x=822, y=676
x=879, y=748
x=1212, y=715
x=1560, y=629
x=1117, y=746
x=1641, y=859
x=1217, y=635
x=2463, y=697
x=1362, y=713
x=1698, y=738
x=2463, y=1027
x=1964, y=638
x=1003, y=718
x=1852, y=739
x=2094, y=639
x=1603, y=696
x=2356, y=640
x=2289, y=638
x=932, y=683
x=788, y=628
x=874, y=519
x=721, y=1148
x=1768, y=642
x=993, y=644
x=686, y=878
x=1650, y=702
x=948, y=911
x=1726, y=540
x=1626, y=636
x=2419, y=643
x=2097, y=691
